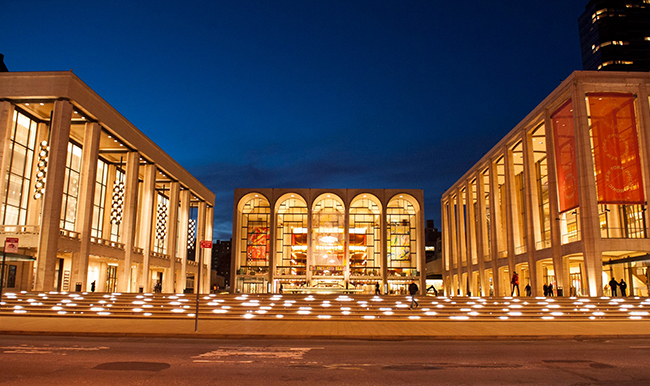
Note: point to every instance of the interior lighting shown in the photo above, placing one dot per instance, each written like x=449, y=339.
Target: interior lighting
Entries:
x=639, y=313
x=62, y=312
x=465, y=309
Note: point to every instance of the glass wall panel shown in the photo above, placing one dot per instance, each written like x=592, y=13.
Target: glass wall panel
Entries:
x=487, y=235
x=543, y=219
x=100, y=199
x=463, y=228
x=473, y=232
x=254, y=236
x=365, y=237
x=402, y=237
x=519, y=215
x=501, y=207
x=291, y=234
x=21, y=152
x=328, y=238
x=71, y=187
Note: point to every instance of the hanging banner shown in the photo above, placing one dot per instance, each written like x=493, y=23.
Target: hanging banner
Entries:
x=565, y=157
x=616, y=148
x=257, y=244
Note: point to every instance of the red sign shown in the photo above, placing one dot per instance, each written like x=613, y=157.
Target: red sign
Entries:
x=11, y=245
x=206, y=244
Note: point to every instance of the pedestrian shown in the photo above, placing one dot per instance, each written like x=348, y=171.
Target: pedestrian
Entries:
x=281, y=288
x=92, y=286
x=529, y=291
x=550, y=289
x=413, y=290
x=613, y=285
x=515, y=284
x=545, y=289
x=377, y=291
x=623, y=286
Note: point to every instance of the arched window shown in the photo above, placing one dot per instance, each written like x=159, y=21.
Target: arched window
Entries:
x=328, y=222
x=254, y=233
x=291, y=236
x=402, y=236
x=365, y=238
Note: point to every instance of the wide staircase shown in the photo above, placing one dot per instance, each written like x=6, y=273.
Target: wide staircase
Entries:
x=321, y=307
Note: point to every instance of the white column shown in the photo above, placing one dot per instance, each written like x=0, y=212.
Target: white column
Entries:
x=85, y=202
x=172, y=231
x=530, y=186
x=209, y=219
x=147, y=218
x=6, y=129
x=200, y=254
x=129, y=220
x=184, y=216
x=52, y=200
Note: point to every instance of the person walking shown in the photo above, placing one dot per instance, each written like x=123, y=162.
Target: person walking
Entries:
x=613, y=285
x=529, y=291
x=92, y=286
x=623, y=286
x=545, y=289
x=413, y=290
x=515, y=284
x=377, y=291
x=550, y=289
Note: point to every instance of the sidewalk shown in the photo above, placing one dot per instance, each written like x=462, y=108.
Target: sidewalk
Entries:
x=297, y=329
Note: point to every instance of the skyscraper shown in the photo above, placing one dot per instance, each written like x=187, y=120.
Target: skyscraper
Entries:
x=615, y=35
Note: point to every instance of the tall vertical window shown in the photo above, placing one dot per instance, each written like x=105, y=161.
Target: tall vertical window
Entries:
x=254, y=233
x=501, y=207
x=18, y=178
x=487, y=252
x=100, y=199
x=402, y=237
x=364, y=246
x=291, y=243
x=71, y=187
x=473, y=238
x=328, y=221
x=519, y=199
x=541, y=179
x=464, y=235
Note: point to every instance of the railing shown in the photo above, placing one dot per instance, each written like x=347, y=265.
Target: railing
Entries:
x=543, y=244
x=520, y=249
x=365, y=271
x=20, y=229
x=487, y=257
x=570, y=237
x=403, y=272
x=160, y=256
x=503, y=254
x=253, y=270
x=622, y=233
x=138, y=250
x=291, y=270
x=192, y=263
x=108, y=243
x=70, y=234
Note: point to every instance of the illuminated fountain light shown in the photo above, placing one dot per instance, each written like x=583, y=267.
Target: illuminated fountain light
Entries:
x=514, y=313
x=557, y=313
x=548, y=317
x=516, y=306
x=346, y=312
x=266, y=308
x=639, y=313
x=18, y=307
x=304, y=308
x=261, y=312
x=309, y=298
x=104, y=313
x=148, y=306
x=62, y=312
x=553, y=306
x=279, y=316
x=440, y=306
x=250, y=304
x=147, y=314
x=465, y=309
x=369, y=316
x=102, y=302
x=377, y=299
x=473, y=313
x=276, y=297
x=503, y=317
x=304, y=312
x=219, y=311
x=326, y=304
x=324, y=316
x=459, y=317
x=344, y=298
x=97, y=309
x=214, y=303
x=137, y=310
x=190, y=315
x=477, y=306
x=414, y=317
x=635, y=317
x=431, y=313
x=57, y=308
x=20, y=311
x=243, y=297
x=248, y=316
x=178, y=310
x=584, y=310
x=225, y=307
x=174, y=303
x=388, y=312
x=402, y=305
x=598, y=313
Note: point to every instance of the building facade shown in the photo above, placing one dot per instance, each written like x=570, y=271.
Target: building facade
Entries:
x=561, y=200
x=615, y=35
x=327, y=239
x=95, y=204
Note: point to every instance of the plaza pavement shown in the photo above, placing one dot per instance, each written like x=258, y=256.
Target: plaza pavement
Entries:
x=256, y=316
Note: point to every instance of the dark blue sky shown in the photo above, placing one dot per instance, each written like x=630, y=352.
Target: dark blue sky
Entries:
x=308, y=94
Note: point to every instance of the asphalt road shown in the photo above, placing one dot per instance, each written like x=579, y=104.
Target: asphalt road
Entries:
x=48, y=360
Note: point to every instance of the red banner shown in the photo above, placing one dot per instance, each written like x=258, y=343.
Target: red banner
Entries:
x=616, y=149
x=257, y=244
x=565, y=157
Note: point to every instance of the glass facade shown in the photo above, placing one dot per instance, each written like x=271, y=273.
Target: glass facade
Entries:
x=365, y=237
x=328, y=238
x=71, y=187
x=99, y=201
x=18, y=177
x=291, y=233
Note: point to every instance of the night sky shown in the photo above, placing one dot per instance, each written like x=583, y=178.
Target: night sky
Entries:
x=308, y=94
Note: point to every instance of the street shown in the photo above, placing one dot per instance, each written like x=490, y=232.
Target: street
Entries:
x=51, y=360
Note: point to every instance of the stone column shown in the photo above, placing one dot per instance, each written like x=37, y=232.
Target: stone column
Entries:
x=446, y=266
x=84, y=222
x=495, y=224
x=147, y=219
x=461, y=239
x=470, y=230
x=481, y=242
x=209, y=218
x=200, y=253
x=453, y=250
x=511, y=229
x=383, y=242
x=172, y=231
x=184, y=216
x=589, y=218
x=273, y=228
x=530, y=200
x=101, y=282
x=52, y=200
x=129, y=220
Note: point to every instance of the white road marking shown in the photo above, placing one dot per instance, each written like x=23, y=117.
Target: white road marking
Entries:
x=24, y=349
x=229, y=354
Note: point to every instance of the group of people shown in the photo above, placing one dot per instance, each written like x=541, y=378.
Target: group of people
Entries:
x=614, y=285
x=548, y=288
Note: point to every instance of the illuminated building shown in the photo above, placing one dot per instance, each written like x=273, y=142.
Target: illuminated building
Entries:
x=92, y=200
x=562, y=199
x=327, y=240
x=615, y=35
